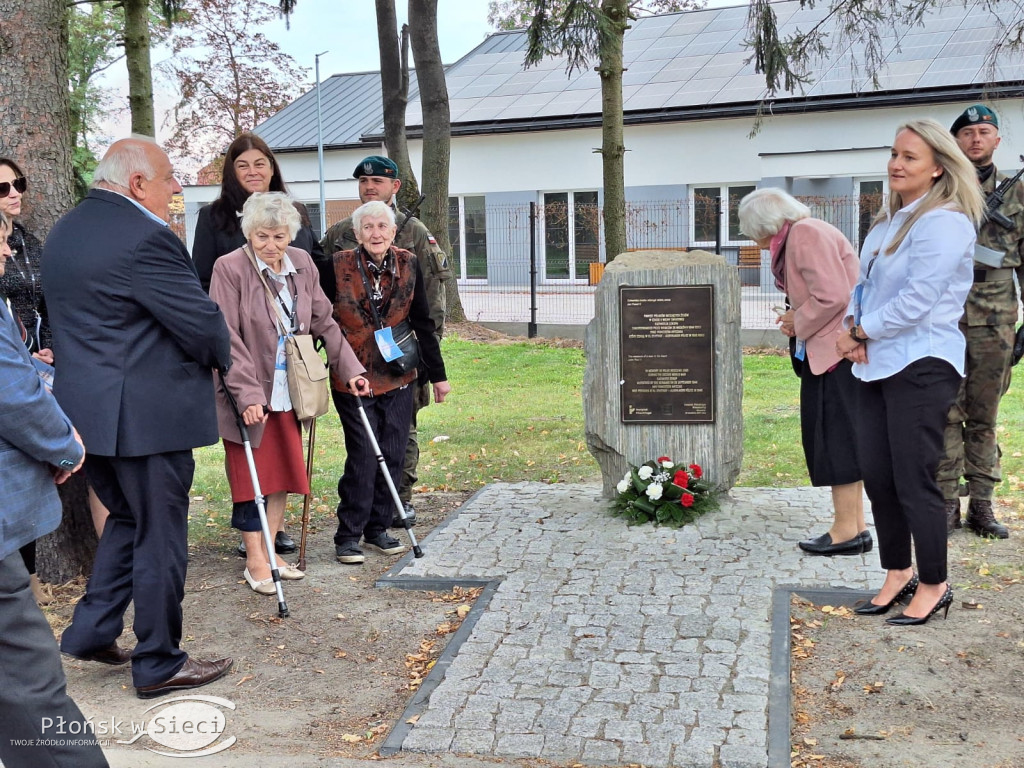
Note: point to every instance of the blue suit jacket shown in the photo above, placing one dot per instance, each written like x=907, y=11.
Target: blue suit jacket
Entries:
x=135, y=336
x=34, y=434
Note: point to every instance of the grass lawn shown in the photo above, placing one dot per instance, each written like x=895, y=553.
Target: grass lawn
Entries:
x=515, y=413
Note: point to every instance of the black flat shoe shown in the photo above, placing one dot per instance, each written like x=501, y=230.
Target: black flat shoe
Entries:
x=902, y=620
x=283, y=545
x=873, y=609
x=823, y=545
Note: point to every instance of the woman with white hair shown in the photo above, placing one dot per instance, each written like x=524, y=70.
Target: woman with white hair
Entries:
x=907, y=349
x=267, y=290
x=816, y=266
x=380, y=295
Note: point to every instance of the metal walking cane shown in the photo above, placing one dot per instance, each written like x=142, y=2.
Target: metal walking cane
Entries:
x=308, y=498
x=261, y=508
x=417, y=552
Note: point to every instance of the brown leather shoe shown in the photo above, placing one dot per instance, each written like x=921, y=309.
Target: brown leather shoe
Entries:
x=192, y=674
x=113, y=654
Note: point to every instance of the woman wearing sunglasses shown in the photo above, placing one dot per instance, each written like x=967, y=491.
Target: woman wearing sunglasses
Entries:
x=22, y=290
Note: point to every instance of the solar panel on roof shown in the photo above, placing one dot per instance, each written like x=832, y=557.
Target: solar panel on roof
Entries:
x=672, y=61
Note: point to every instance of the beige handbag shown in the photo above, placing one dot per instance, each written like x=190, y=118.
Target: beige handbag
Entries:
x=307, y=375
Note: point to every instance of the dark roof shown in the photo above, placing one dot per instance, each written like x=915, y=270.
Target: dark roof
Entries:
x=350, y=106
x=680, y=66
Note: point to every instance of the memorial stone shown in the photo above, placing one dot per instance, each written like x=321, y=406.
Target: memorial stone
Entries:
x=664, y=370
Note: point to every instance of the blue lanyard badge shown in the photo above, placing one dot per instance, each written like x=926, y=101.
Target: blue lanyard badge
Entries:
x=386, y=344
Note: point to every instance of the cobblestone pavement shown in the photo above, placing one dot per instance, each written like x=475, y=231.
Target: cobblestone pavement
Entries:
x=605, y=644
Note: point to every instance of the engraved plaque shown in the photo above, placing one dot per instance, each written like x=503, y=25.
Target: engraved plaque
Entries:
x=667, y=353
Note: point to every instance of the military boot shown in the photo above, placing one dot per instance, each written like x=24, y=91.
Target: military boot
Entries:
x=982, y=520
x=953, y=515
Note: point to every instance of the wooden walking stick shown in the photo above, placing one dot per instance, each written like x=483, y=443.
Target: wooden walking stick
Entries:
x=308, y=497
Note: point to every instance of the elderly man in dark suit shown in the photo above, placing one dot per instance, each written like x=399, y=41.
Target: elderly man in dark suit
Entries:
x=38, y=447
x=135, y=341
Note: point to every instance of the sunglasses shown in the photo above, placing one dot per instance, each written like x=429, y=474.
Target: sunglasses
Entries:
x=20, y=184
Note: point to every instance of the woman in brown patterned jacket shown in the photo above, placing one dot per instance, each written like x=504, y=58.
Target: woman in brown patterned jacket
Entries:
x=379, y=288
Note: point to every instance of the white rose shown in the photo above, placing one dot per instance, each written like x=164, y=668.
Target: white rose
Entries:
x=645, y=472
x=654, y=491
x=622, y=486
x=667, y=464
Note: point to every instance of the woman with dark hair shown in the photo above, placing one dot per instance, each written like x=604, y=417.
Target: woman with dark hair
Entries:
x=249, y=166
x=22, y=290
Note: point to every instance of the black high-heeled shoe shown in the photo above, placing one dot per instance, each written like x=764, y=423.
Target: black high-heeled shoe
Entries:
x=873, y=609
x=902, y=620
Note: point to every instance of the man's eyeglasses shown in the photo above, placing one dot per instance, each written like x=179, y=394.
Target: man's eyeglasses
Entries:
x=20, y=184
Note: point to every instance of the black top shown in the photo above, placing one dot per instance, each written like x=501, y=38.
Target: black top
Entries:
x=22, y=284
x=210, y=243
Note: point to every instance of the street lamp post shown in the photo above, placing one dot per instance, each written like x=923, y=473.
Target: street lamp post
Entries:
x=320, y=149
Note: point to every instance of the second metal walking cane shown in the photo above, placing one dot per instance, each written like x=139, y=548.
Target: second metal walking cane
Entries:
x=261, y=508
x=417, y=552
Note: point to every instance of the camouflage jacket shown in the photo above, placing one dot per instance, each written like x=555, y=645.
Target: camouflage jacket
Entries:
x=995, y=303
x=416, y=238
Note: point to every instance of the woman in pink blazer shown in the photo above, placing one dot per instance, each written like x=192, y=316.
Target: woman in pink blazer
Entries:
x=266, y=290
x=816, y=266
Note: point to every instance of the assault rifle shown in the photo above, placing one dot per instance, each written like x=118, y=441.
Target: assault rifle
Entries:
x=995, y=200
x=410, y=213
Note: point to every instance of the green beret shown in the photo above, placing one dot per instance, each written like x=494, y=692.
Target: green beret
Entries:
x=979, y=113
x=376, y=165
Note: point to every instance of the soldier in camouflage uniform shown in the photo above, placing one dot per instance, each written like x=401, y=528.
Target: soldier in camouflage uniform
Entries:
x=971, y=451
x=378, y=180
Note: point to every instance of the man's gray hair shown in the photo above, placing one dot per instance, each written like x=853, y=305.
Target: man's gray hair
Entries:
x=5, y=222
x=270, y=210
x=765, y=211
x=374, y=209
x=122, y=160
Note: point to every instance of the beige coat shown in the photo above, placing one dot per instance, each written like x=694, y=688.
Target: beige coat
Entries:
x=251, y=320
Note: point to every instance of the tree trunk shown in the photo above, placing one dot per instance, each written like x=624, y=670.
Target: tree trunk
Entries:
x=37, y=134
x=140, y=71
x=436, y=134
x=394, y=84
x=613, y=151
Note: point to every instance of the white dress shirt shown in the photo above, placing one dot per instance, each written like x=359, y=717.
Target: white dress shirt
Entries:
x=912, y=300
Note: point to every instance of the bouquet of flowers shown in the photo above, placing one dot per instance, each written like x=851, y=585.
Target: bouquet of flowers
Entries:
x=663, y=492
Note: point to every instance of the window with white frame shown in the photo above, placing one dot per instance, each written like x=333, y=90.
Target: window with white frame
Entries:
x=467, y=232
x=715, y=214
x=572, y=239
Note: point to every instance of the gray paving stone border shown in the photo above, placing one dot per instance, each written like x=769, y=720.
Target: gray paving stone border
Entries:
x=780, y=692
x=731, y=703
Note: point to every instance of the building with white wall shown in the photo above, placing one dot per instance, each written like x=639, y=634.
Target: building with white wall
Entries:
x=692, y=132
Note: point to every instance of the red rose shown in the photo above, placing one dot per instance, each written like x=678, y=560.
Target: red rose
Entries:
x=681, y=479
x=664, y=458
x=687, y=500
x=697, y=471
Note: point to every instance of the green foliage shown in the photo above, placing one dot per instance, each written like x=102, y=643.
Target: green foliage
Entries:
x=230, y=76
x=663, y=492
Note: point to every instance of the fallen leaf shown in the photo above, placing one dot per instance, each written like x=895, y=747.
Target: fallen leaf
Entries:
x=351, y=737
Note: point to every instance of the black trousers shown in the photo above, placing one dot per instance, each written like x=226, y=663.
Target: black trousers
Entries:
x=900, y=441
x=366, y=507
x=33, y=691
x=142, y=555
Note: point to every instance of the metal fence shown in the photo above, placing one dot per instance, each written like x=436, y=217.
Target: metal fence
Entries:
x=539, y=264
